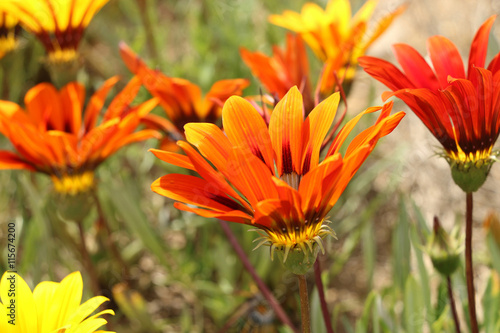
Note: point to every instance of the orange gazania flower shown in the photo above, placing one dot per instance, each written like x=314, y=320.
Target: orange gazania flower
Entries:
x=286, y=68
x=181, y=99
x=58, y=24
x=51, y=137
x=9, y=25
x=271, y=178
x=462, y=110
x=335, y=37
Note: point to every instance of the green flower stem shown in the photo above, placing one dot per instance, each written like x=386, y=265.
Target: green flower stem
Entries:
x=469, y=271
x=87, y=261
x=452, y=304
x=111, y=240
x=148, y=28
x=260, y=284
x=304, y=304
x=321, y=293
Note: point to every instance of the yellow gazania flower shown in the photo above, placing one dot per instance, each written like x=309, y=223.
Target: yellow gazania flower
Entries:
x=8, y=27
x=51, y=308
x=58, y=24
x=335, y=37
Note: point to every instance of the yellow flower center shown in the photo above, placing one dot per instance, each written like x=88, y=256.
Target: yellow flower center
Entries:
x=303, y=237
x=7, y=44
x=74, y=184
x=477, y=158
x=59, y=56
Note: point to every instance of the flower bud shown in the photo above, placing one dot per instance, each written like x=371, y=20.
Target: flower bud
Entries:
x=444, y=250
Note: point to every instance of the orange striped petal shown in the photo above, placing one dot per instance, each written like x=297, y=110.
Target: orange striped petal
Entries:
x=72, y=97
x=285, y=129
x=172, y=158
x=194, y=191
x=346, y=130
x=210, y=141
x=96, y=103
x=445, y=58
x=9, y=160
x=231, y=216
x=246, y=129
x=316, y=186
x=315, y=128
x=479, y=46
x=251, y=177
x=43, y=104
x=206, y=171
x=121, y=103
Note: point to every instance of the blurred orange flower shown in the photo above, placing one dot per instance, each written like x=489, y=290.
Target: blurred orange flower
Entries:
x=51, y=137
x=181, y=99
x=58, y=24
x=8, y=28
x=461, y=110
x=337, y=38
x=286, y=68
x=271, y=178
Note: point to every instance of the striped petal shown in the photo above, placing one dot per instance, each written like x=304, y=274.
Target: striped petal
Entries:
x=210, y=141
x=195, y=191
x=315, y=128
x=285, y=129
x=246, y=129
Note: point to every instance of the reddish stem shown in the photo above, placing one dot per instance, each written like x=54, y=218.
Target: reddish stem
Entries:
x=260, y=284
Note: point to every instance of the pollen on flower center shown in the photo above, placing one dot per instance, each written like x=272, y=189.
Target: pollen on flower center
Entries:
x=74, y=184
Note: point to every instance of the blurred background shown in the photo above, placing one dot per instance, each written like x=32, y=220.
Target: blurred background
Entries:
x=182, y=274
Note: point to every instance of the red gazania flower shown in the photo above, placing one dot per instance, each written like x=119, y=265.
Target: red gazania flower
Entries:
x=335, y=37
x=286, y=68
x=51, y=137
x=58, y=24
x=462, y=110
x=181, y=99
x=271, y=177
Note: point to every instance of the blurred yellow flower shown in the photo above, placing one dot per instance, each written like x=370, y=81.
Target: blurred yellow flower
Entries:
x=58, y=24
x=51, y=307
x=335, y=37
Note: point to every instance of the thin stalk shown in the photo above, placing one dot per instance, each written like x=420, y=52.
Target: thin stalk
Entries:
x=260, y=284
x=304, y=304
x=469, y=271
x=87, y=262
x=148, y=28
x=452, y=305
x=111, y=240
x=322, y=300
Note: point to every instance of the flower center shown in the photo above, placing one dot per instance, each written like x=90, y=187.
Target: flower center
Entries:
x=59, y=56
x=74, y=184
x=303, y=235
x=7, y=43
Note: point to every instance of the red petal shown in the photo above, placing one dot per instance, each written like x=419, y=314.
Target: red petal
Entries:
x=415, y=67
x=446, y=59
x=479, y=46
